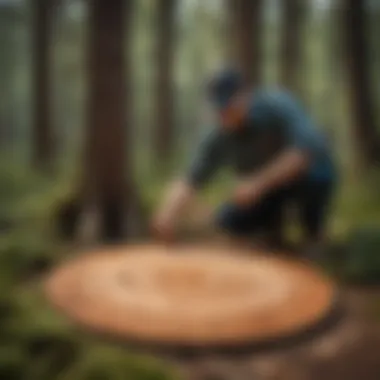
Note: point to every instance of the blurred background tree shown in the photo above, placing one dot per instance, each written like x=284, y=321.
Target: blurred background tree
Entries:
x=106, y=165
x=362, y=102
x=246, y=31
x=163, y=128
x=291, y=53
x=43, y=139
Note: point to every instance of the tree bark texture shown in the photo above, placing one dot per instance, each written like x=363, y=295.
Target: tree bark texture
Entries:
x=246, y=31
x=42, y=131
x=106, y=162
x=291, y=43
x=361, y=97
x=164, y=120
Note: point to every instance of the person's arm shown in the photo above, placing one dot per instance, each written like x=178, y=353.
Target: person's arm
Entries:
x=295, y=158
x=286, y=167
x=178, y=197
x=208, y=159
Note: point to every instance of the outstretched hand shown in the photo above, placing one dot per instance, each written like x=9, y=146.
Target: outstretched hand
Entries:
x=162, y=228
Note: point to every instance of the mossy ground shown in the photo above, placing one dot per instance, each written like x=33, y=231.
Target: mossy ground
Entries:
x=38, y=343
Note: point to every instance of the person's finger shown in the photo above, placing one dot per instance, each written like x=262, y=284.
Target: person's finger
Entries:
x=156, y=230
x=162, y=233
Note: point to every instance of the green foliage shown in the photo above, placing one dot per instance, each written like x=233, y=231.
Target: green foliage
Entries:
x=37, y=342
x=356, y=204
x=104, y=362
x=27, y=200
x=13, y=359
x=356, y=228
x=17, y=182
x=362, y=259
x=25, y=252
x=56, y=351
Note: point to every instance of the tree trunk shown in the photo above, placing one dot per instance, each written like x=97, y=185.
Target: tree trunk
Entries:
x=164, y=121
x=106, y=162
x=362, y=103
x=291, y=47
x=246, y=30
x=9, y=23
x=43, y=149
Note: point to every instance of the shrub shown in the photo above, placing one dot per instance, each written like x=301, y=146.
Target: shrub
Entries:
x=362, y=255
x=101, y=362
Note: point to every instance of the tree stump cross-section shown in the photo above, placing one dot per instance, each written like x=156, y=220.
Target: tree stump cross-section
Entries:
x=189, y=295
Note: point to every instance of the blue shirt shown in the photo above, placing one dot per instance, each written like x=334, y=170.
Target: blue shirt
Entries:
x=275, y=121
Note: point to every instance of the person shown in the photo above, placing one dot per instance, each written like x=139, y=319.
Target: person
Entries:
x=278, y=154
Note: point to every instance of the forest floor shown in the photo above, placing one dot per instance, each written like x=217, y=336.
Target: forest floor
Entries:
x=350, y=350
x=347, y=351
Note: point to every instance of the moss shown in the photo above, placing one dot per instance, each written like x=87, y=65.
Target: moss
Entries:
x=361, y=261
x=101, y=362
x=24, y=252
x=38, y=343
x=13, y=361
x=50, y=348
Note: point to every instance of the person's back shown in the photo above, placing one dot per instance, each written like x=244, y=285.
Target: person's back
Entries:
x=274, y=120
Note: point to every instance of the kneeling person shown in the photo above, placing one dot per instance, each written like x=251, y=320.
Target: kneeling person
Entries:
x=277, y=152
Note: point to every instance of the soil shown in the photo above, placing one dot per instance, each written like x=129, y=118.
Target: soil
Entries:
x=348, y=351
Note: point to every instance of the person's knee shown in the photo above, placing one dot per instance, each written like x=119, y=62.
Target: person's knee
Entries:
x=231, y=220
x=316, y=210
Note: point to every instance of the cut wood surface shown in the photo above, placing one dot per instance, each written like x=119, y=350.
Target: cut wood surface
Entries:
x=195, y=295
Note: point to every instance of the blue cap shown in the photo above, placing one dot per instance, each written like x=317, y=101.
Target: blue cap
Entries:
x=224, y=85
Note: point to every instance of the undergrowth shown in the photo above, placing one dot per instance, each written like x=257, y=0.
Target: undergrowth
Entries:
x=37, y=342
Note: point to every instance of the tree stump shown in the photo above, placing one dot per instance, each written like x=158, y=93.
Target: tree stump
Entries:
x=190, y=295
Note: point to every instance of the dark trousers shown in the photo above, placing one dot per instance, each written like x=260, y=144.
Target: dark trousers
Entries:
x=310, y=198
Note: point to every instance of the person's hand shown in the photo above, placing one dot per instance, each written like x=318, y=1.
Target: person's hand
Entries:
x=247, y=193
x=163, y=227
x=163, y=224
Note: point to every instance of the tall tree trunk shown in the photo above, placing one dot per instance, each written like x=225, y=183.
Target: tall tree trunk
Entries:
x=106, y=162
x=9, y=23
x=291, y=47
x=43, y=149
x=246, y=31
x=164, y=121
x=362, y=104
